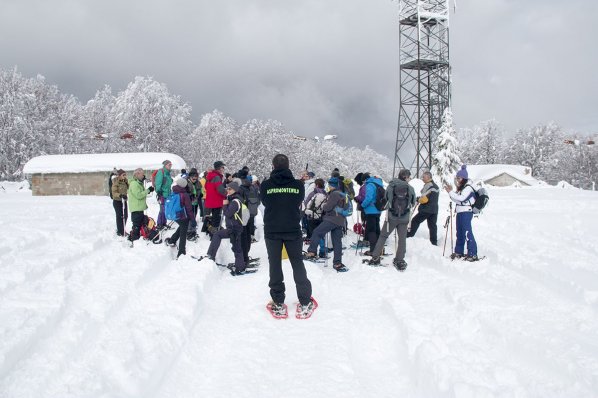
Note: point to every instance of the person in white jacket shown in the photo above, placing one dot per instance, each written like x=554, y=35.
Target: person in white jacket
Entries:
x=464, y=198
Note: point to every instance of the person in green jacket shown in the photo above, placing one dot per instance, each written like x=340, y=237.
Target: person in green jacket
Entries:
x=163, y=184
x=137, y=202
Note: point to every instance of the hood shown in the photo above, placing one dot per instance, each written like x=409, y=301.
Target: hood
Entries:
x=282, y=176
x=178, y=189
x=375, y=180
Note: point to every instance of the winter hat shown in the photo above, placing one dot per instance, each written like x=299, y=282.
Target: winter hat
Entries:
x=333, y=182
x=164, y=163
x=218, y=164
x=121, y=172
x=463, y=172
x=335, y=173
x=234, y=185
x=311, y=174
x=181, y=182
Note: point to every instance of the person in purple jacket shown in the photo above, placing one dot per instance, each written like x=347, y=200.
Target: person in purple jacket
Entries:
x=234, y=228
x=180, y=187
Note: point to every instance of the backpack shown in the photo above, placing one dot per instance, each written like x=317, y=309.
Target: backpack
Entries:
x=110, y=184
x=347, y=209
x=381, y=200
x=253, y=201
x=314, y=210
x=149, y=231
x=173, y=210
x=400, y=200
x=481, y=200
x=244, y=211
x=154, y=178
x=348, y=183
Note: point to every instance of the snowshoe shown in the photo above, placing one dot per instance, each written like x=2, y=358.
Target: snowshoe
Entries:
x=305, y=311
x=278, y=311
x=473, y=258
x=340, y=267
x=400, y=265
x=374, y=261
x=457, y=256
x=312, y=258
x=168, y=242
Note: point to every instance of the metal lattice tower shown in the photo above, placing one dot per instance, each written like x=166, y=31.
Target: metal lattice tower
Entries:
x=424, y=81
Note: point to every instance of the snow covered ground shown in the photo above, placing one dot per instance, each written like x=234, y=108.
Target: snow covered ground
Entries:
x=82, y=315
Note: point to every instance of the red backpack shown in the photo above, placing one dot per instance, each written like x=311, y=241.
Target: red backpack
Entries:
x=154, y=178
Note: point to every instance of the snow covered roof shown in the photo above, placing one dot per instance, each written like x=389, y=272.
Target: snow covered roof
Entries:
x=485, y=172
x=85, y=163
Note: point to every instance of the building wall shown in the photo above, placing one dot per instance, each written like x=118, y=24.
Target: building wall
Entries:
x=76, y=183
x=504, y=180
x=70, y=184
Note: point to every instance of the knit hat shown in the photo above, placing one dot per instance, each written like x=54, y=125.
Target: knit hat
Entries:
x=233, y=185
x=333, y=182
x=218, y=164
x=311, y=174
x=463, y=172
x=181, y=182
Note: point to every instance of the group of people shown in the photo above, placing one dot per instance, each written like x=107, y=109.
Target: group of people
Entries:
x=293, y=207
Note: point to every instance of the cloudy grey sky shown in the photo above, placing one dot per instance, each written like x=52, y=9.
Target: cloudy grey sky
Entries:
x=318, y=66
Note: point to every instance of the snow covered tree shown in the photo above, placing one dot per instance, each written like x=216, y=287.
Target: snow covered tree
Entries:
x=482, y=144
x=446, y=160
x=157, y=120
x=536, y=147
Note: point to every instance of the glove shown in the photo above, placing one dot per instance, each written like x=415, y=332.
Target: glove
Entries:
x=423, y=200
x=150, y=189
x=123, y=197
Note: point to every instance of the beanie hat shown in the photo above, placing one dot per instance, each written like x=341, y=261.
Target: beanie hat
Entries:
x=234, y=185
x=181, y=182
x=463, y=172
x=311, y=174
x=333, y=182
x=218, y=164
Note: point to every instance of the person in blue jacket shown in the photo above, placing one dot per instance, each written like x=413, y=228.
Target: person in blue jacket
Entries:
x=372, y=214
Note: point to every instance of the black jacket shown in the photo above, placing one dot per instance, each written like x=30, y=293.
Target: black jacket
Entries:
x=282, y=196
x=432, y=192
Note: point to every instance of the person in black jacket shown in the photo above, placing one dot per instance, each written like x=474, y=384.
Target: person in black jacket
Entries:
x=428, y=208
x=282, y=196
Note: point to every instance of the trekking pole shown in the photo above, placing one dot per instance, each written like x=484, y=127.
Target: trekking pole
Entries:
x=446, y=226
x=124, y=203
x=326, y=241
x=411, y=218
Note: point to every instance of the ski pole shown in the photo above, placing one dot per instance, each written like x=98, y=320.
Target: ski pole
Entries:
x=446, y=225
x=411, y=218
x=124, y=203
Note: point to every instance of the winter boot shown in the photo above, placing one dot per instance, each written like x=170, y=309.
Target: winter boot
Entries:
x=457, y=256
x=169, y=242
x=471, y=258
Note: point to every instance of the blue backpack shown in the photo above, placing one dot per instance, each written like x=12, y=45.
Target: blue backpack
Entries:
x=347, y=209
x=173, y=209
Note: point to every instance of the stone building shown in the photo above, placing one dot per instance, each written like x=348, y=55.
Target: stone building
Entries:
x=87, y=174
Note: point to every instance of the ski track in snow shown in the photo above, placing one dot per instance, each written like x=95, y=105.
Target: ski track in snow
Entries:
x=83, y=315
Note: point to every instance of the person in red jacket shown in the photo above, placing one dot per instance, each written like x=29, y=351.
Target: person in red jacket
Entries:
x=215, y=195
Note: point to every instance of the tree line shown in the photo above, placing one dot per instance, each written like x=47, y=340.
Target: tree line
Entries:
x=36, y=118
